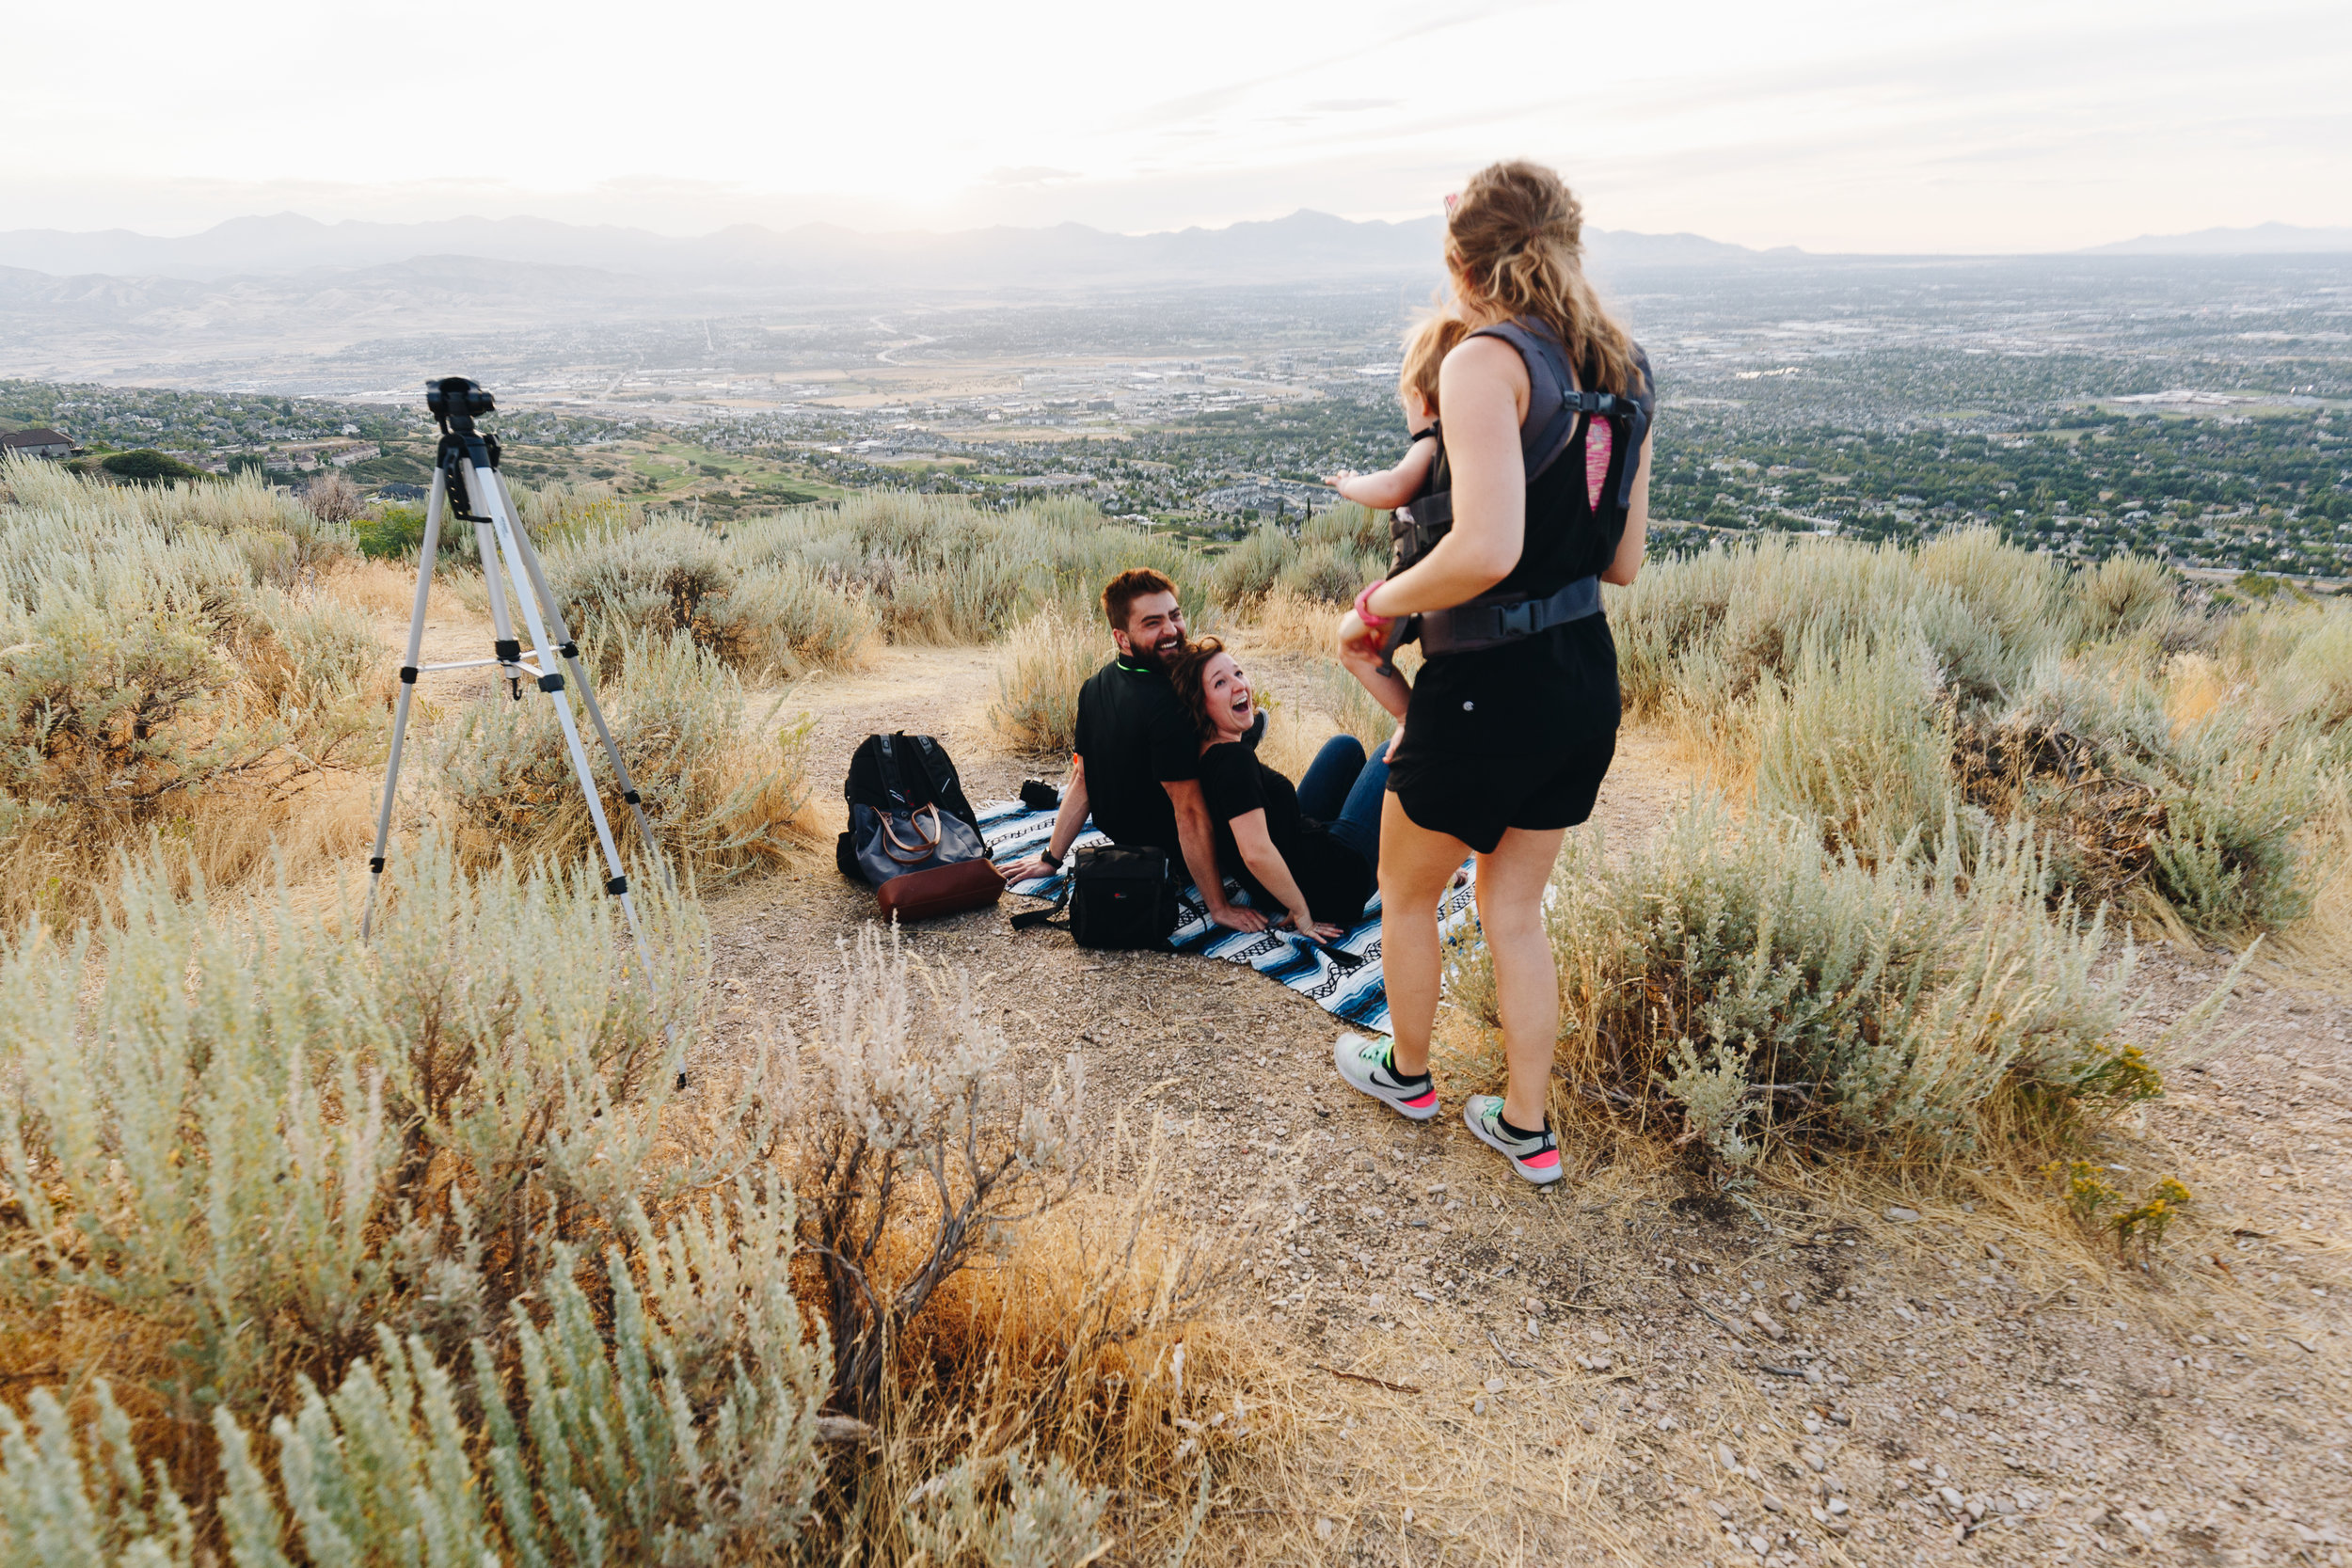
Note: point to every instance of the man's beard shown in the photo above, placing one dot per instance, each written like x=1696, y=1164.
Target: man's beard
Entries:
x=1154, y=658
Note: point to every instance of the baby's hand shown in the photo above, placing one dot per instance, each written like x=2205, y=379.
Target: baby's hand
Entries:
x=1335, y=480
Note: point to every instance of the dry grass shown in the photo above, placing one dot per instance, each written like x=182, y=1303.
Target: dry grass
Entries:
x=1044, y=662
x=1288, y=623
x=1097, y=1337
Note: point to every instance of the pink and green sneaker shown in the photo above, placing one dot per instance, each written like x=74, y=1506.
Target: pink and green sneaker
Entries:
x=1370, y=1065
x=1537, y=1159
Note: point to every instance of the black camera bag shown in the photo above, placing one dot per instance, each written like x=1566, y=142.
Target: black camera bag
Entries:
x=1121, y=898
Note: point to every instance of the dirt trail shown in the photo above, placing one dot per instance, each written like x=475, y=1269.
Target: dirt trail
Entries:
x=1624, y=1369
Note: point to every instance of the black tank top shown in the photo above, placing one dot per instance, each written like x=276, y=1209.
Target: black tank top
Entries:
x=1556, y=693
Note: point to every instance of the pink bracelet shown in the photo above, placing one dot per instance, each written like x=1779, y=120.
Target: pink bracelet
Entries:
x=1364, y=607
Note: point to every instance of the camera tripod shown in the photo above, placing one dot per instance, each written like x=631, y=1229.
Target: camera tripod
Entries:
x=467, y=484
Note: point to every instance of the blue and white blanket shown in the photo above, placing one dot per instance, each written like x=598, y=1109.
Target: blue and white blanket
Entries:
x=1358, y=995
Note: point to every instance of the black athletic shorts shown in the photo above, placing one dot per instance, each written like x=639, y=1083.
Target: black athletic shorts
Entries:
x=1478, y=797
x=1518, y=736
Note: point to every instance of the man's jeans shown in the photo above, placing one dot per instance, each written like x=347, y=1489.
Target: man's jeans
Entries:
x=1343, y=790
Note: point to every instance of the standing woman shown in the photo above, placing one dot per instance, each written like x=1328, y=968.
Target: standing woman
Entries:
x=1512, y=720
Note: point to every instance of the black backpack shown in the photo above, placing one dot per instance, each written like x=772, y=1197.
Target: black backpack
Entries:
x=907, y=809
x=1118, y=896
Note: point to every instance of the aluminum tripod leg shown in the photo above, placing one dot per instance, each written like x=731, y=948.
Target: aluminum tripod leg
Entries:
x=528, y=554
x=431, y=547
x=497, y=533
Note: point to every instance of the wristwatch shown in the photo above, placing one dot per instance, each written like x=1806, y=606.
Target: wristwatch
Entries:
x=1050, y=858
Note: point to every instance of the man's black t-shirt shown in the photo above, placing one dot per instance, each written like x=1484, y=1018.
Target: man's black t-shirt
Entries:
x=1333, y=877
x=1133, y=737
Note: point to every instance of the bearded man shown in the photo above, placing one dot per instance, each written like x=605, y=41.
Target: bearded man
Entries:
x=1137, y=766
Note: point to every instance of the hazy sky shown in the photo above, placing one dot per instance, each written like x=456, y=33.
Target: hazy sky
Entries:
x=1993, y=125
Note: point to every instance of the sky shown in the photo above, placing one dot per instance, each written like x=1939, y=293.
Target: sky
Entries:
x=1993, y=126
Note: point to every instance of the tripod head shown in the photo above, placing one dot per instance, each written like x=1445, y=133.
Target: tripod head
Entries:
x=454, y=403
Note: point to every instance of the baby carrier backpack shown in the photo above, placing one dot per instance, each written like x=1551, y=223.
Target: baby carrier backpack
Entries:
x=1553, y=407
x=912, y=835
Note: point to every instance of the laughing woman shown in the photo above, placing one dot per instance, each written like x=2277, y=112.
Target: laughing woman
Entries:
x=1309, y=850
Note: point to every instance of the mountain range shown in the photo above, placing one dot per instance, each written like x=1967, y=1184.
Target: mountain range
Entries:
x=1304, y=246
x=2263, y=239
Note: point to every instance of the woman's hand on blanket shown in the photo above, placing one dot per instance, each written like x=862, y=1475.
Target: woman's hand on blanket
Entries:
x=1306, y=925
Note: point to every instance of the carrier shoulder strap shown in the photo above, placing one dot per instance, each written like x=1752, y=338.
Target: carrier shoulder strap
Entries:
x=1554, y=404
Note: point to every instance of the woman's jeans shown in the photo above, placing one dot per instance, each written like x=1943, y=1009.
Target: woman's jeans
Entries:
x=1343, y=790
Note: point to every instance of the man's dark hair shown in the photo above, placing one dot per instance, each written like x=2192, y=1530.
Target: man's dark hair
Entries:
x=1185, y=672
x=1122, y=592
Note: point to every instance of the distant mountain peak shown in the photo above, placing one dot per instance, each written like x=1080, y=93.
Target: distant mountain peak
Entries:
x=2260, y=239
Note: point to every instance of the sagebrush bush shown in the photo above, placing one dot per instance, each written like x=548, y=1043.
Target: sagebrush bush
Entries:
x=1758, y=991
x=2158, y=749
x=227, y=1144
x=2122, y=595
x=432, y=1215
x=939, y=570
x=722, y=789
x=1857, y=740
x=170, y=668
x=675, y=578
x=1048, y=658
x=1324, y=573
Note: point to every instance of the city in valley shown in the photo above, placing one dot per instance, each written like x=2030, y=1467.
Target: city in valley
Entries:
x=2193, y=408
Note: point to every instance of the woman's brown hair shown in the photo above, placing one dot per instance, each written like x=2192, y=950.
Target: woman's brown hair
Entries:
x=1514, y=240
x=1184, y=674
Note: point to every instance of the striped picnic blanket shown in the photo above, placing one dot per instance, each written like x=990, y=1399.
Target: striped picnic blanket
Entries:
x=1357, y=994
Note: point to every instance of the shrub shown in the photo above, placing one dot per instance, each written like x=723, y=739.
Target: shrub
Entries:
x=1045, y=662
x=939, y=570
x=1324, y=573
x=332, y=497
x=1709, y=628
x=1248, y=572
x=1761, y=991
x=676, y=577
x=913, y=1084
x=2206, y=811
x=148, y=467
x=1858, y=742
x=231, y=1139
x=2122, y=595
x=151, y=691
x=996, y=1513
x=721, y=803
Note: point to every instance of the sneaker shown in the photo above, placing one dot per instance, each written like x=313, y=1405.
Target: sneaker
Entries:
x=1367, y=1065
x=1538, y=1158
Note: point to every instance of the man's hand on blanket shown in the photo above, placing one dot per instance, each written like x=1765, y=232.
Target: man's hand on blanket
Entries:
x=1236, y=917
x=1030, y=870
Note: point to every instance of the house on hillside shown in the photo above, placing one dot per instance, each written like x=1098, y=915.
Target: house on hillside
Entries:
x=36, y=443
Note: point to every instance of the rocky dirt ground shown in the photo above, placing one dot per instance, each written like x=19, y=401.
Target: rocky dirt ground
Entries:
x=1837, y=1369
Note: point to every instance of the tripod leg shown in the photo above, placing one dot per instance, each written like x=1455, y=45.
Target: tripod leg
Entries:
x=528, y=554
x=489, y=501
x=427, y=552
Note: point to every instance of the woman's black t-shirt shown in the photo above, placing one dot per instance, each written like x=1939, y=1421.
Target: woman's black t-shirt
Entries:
x=1335, y=879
